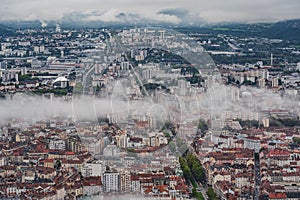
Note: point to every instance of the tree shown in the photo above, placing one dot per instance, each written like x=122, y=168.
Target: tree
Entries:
x=248, y=123
x=2, y=96
x=24, y=77
x=97, y=88
x=195, y=166
x=211, y=194
x=103, y=119
x=57, y=164
x=185, y=168
x=197, y=171
x=202, y=125
x=78, y=89
x=296, y=140
x=196, y=194
x=172, y=146
x=169, y=126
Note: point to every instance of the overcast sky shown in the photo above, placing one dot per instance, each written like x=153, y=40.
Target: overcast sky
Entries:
x=175, y=11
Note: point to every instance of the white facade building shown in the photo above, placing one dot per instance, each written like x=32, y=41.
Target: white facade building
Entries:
x=92, y=169
x=111, y=182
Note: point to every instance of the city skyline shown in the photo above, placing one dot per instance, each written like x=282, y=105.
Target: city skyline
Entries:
x=137, y=100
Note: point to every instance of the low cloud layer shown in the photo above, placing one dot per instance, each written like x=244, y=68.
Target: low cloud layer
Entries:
x=176, y=12
x=218, y=101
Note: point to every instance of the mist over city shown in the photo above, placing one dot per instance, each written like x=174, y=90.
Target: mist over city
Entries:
x=150, y=100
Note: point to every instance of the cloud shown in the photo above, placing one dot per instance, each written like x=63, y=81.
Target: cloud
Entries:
x=173, y=11
x=218, y=100
x=107, y=16
x=118, y=16
x=181, y=13
x=160, y=17
x=184, y=15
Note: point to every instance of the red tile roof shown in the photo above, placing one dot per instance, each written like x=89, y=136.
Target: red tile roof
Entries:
x=277, y=195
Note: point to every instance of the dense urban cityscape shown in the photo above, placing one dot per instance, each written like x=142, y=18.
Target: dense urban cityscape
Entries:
x=139, y=112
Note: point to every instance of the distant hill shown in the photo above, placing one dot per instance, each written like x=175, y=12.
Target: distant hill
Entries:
x=287, y=30
x=235, y=29
x=5, y=31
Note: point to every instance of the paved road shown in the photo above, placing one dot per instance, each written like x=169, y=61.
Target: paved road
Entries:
x=87, y=78
x=257, y=177
x=140, y=82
